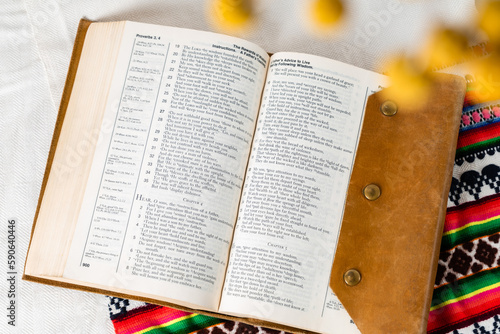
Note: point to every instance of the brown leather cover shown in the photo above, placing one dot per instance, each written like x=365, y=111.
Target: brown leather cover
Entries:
x=394, y=241
x=445, y=128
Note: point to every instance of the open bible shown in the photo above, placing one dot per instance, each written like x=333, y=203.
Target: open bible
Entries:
x=193, y=169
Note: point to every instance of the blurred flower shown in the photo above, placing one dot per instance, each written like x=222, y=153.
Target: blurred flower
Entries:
x=445, y=48
x=409, y=82
x=323, y=16
x=489, y=20
x=327, y=13
x=486, y=84
x=231, y=16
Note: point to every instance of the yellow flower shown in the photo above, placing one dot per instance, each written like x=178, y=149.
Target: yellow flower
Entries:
x=327, y=13
x=409, y=82
x=489, y=20
x=231, y=16
x=323, y=17
x=486, y=72
x=445, y=48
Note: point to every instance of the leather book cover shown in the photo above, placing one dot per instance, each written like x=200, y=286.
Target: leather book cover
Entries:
x=386, y=257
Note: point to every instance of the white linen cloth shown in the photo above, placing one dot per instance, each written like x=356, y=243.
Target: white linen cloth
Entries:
x=36, y=39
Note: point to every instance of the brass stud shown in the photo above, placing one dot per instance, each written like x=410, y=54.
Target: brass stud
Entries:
x=389, y=108
x=372, y=192
x=352, y=277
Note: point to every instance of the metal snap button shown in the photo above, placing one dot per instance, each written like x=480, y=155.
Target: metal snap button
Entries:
x=389, y=108
x=352, y=277
x=372, y=192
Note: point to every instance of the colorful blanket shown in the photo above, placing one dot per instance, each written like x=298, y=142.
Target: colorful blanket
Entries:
x=131, y=317
x=467, y=290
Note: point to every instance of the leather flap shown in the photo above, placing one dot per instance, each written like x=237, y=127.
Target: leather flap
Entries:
x=394, y=241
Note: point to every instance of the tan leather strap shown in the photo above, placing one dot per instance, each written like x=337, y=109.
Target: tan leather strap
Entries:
x=393, y=241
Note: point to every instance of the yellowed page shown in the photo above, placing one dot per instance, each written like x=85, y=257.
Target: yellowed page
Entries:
x=70, y=168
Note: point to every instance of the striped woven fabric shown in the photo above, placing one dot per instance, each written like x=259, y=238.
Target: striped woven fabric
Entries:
x=154, y=319
x=132, y=317
x=467, y=290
